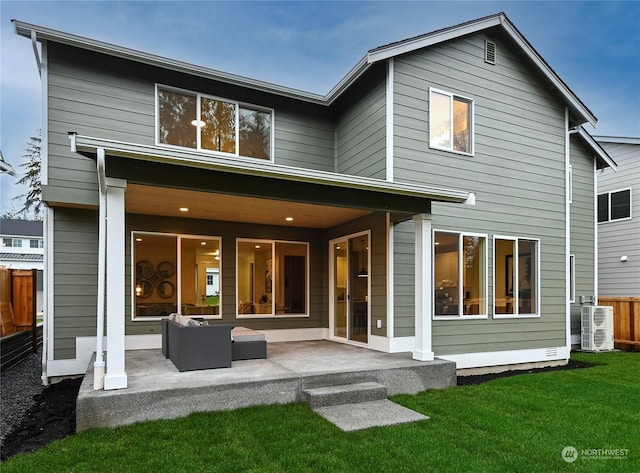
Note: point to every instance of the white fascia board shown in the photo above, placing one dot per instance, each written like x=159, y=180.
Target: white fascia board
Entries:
x=413, y=44
x=189, y=158
x=597, y=149
x=47, y=34
x=571, y=99
x=625, y=140
x=464, y=29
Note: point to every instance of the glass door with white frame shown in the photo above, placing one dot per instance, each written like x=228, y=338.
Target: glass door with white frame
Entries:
x=350, y=304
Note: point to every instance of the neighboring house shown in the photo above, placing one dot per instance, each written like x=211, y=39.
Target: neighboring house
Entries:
x=619, y=219
x=23, y=248
x=422, y=205
x=22, y=244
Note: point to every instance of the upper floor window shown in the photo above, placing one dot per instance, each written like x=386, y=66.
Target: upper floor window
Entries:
x=192, y=120
x=614, y=205
x=12, y=243
x=36, y=244
x=450, y=122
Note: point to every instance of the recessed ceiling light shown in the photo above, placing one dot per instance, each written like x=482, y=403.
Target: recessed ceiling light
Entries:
x=257, y=247
x=184, y=209
x=437, y=243
x=289, y=219
x=198, y=123
x=203, y=243
x=138, y=239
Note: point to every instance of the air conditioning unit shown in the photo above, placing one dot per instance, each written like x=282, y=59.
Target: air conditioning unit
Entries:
x=597, y=328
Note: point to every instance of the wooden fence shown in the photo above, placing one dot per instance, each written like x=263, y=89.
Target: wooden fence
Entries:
x=626, y=320
x=19, y=334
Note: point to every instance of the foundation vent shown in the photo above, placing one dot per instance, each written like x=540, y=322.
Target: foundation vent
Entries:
x=489, y=52
x=552, y=351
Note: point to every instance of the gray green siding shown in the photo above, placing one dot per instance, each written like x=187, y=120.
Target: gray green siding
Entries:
x=76, y=278
x=517, y=173
x=582, y=225
x=360, y=130
x=95, y=95
x=621, y=238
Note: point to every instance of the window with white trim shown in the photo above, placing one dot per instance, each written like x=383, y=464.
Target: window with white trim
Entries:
x=11, y=243
x=459, y=274
x=191, y=120
x=516, y=277
x=36, y=244
x=272, y=278
x=171, y=274
x=615, y=205
x=450, y=122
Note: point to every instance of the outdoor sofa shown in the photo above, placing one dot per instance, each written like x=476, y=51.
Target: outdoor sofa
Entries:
x=194, y=345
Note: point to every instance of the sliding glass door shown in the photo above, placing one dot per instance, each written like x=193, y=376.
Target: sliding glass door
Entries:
x=350, y=287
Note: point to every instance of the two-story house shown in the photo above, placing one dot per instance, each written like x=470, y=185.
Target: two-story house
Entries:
x=423, y=205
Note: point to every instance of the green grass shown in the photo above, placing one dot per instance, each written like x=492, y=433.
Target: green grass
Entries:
x=515, y=424
x=213, y=300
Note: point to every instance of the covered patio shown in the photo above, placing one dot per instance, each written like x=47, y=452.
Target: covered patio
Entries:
x=157, y=390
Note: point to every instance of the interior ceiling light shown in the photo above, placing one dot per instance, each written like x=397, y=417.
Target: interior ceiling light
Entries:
x=257, y=247
x=203, y=243
x=198, y=123
x=289, y=219
x=184, y=209
x=138, y=239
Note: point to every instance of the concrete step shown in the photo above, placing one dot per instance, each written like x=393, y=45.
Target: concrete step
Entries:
x=344, y=394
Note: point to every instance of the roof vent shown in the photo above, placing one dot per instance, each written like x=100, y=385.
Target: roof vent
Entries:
x=489, y=52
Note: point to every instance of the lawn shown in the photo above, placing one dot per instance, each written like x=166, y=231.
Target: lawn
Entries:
x=515, y=424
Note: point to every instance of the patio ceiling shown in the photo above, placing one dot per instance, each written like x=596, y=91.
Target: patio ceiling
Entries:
x=150, y=200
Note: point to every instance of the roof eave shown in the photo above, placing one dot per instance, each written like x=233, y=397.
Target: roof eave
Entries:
x=47, y=34
x=80, y=143
x=580, y=112
x=604, y=160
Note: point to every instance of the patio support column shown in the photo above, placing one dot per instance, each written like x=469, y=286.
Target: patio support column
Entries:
x=115, y=377
x=423, y=285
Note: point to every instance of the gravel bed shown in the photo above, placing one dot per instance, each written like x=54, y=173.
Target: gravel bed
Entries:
x=18, y=386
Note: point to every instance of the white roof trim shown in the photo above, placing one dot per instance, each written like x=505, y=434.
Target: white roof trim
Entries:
x=601, y=154
x=423, y=41
x=374, y=56
x=195, y=159
x=626, y=140
x=500, y=19
x=47, y=34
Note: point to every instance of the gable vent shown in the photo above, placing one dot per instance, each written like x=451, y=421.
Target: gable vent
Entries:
x=489, y=52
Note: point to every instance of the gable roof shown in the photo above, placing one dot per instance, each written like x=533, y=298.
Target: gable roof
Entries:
x=578, y=110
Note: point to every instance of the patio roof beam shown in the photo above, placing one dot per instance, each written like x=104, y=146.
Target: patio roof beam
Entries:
x=192, y=159
x=177, y=177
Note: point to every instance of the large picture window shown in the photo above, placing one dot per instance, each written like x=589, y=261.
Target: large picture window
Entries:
x=614, y=206
x=516, y=277
x=197, y=121
x=272, y=278
x=450, y=122
x=176, y=273
x=460, y=274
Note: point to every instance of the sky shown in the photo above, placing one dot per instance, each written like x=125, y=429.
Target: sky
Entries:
x=593, y=45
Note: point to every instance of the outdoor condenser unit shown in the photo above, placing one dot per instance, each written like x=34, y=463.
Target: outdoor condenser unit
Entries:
x=597, y=328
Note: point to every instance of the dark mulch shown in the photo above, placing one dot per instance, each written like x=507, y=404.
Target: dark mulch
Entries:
x=483, y=378
x=52, y=417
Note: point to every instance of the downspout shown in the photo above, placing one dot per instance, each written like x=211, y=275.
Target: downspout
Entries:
x=567, y=210
x=98, y=366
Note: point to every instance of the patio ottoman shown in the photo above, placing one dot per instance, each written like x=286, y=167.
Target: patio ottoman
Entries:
x=247, y=344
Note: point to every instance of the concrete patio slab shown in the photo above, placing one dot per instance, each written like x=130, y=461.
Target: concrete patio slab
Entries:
x=157, y=390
